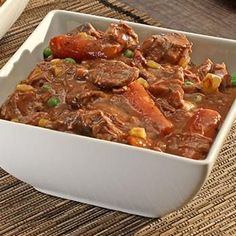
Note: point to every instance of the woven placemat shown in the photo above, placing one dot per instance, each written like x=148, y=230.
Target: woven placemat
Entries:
x=24, y=211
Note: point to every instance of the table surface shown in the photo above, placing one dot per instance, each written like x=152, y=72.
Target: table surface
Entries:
x=211, y=17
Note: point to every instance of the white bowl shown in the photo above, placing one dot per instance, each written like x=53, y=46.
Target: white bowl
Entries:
x=9, y=12
x=98, y=172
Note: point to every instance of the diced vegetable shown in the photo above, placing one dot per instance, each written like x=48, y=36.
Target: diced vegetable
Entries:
x=143, y=82
x=197, y=98
x=143, y=103
x=204, y=122
x=138, y=132
x=70, y=60
x=83, y=34
x=128, y=53
x=81, y=48
x=233, y=79
x=211, y=82
x=57, y=70
x=184, y=61
x=55, y=61
x=24, y=88
x=47, y=52
x=188, y=82
x=138, y=142
x=43, y=122
x=152, y=64
x=53, y=102
x=45, y=87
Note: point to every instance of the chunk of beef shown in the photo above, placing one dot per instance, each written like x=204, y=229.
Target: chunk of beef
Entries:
x=190, y=76
x=164, y=106
x=221, y=70
x=88, y=29
x=81, y=93
x=111, y=74
x=171, y=48
x=167, y=72
x=218, y=69
x=123, y=34
x=21, y=104
x=169, y=89
x=102, y=125
x=191, y=82
x=87, y=98
x=68, y=121
x=203, y=69
x=139, y=59
x=194, y=146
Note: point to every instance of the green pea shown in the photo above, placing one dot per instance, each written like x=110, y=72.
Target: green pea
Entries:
x=53, y=102
x=47, y=52
x=233, y=80
x=70, y=60
x=188, y=82
x=128, y=53
x=45, y=87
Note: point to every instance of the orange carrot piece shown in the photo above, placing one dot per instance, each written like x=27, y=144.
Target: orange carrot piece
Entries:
x=81, y=48
x=204, y=122
x=140, y=100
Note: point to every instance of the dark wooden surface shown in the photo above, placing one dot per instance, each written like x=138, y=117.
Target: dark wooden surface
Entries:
x=212, y=17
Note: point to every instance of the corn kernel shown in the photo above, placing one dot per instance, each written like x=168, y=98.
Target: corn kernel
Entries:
x=143, y=82
x=43, y=122
x=211, y=82
x=84, y=35
x=184, y=61
x=138, y=132
x=57, y=70
x=152, y=64
x=24, y=88
x=36, y=72
x=56, y=61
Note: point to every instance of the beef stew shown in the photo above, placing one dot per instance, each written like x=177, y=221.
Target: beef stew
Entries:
x=108, y=85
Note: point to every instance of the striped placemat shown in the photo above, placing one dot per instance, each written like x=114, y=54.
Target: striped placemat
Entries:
x=24, y=211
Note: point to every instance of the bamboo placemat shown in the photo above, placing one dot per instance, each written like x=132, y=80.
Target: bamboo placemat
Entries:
x=24, y=211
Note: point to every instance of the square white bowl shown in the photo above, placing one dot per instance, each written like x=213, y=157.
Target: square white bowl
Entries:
x=99, y=172
x=9, y=12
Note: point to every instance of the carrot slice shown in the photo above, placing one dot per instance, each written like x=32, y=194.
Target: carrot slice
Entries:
x=204, y=122
x=140, y=100
x=81, y=48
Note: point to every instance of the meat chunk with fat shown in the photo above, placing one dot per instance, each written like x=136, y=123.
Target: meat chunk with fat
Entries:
x=111, y=74
x=194, y=146
x=171, y=48
x=20, y=104
x=123, y=34
x=88, y=29
x=221, y=70
x=167, y=72
x=171, y=90
x=102, y=125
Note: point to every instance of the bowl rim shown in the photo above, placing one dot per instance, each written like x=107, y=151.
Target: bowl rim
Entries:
x=217, y=142
x=10, y=11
